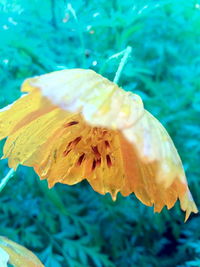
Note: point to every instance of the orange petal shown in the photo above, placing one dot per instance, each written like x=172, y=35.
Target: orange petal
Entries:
x=153, y=144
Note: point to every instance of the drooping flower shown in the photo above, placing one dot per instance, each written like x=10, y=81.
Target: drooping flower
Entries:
x=75, y=124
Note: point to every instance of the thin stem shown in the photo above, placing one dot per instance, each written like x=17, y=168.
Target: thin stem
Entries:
x=122, y=63
x=102, y=69
x=6, y=179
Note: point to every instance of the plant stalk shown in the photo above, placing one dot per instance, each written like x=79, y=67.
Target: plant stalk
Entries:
x=6, y=179
x=122, y=63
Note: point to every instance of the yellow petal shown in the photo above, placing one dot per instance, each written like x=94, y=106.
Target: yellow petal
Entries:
x=187, y=204
x=85, y=91
x=153, y=144
x=21, y=112
x=4, y=257
x=60, y=157
x=19, y=256
x=21, y=145
x=140, y=178
x=108, y=175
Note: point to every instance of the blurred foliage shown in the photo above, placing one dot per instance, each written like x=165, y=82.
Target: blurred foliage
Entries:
x=72, y=225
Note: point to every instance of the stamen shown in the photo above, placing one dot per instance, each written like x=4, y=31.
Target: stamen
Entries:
x=66, y=152
x=98, y=162
x=96, y=151
x=76, y=140
x=109, y=162
x=104, y=133
x=69, y=144
x=94, y=164
x=80, y=160
x=71, y=123
x=107, y=144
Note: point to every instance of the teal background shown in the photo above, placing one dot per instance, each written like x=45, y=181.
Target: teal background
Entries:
x=73, y=225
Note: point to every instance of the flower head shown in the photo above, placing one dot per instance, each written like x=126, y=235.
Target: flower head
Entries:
x=75, y=124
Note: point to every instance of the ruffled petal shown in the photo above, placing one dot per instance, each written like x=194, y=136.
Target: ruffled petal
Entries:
x=187, y=204
x=21, y=145
x=59, y=157
x=153, y=144
x=108, y=176
x=141, y=179
x=88, y=93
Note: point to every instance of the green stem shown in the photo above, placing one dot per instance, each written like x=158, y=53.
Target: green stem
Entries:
x=102, y=69
x=122, y=63
x=6, y=179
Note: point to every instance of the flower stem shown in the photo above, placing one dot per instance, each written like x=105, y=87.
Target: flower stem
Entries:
x=6, y=179
x=122, y=63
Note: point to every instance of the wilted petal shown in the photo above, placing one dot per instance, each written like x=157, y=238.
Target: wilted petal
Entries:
x=19, y=256
x=104, y=98
x=4, y=257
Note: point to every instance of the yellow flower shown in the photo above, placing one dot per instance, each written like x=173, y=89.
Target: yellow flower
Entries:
x=75, y=124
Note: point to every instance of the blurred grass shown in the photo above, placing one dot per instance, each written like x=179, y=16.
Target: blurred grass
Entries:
x=74, y=226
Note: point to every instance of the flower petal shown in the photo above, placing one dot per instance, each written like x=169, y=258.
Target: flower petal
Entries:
x=21, y=145
x=153, y=144
x=4, y=258
x=141, y=179
x=86, y=92
x=22, y=112
x=19, y=256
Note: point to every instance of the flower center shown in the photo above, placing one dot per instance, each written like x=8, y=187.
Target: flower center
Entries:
x=93, y=144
